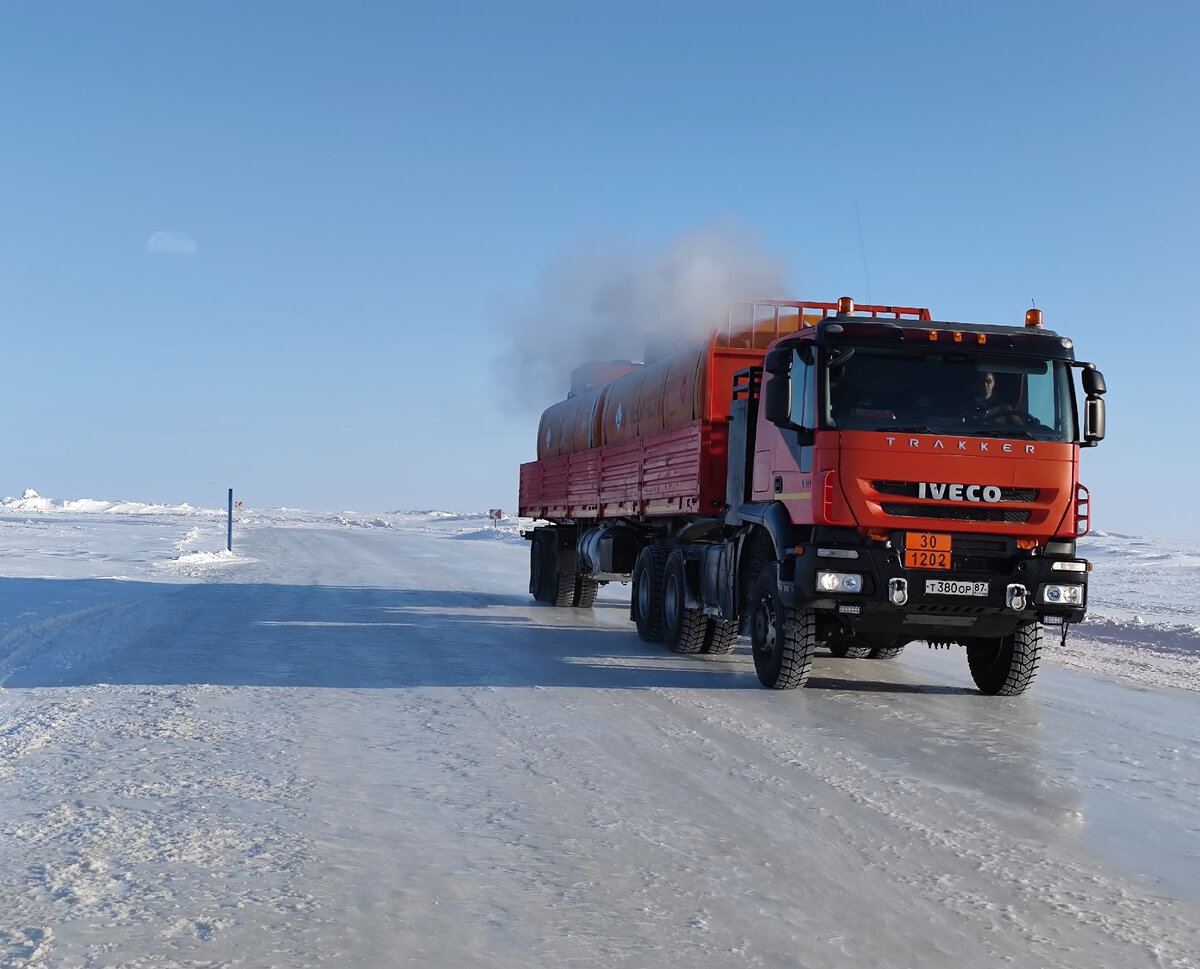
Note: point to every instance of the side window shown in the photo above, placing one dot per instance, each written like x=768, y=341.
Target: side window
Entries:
x=804, y=410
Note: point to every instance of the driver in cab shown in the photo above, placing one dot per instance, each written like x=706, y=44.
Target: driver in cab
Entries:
x=987, y=405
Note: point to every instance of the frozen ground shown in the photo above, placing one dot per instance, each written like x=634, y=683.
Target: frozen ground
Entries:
x=355, y=741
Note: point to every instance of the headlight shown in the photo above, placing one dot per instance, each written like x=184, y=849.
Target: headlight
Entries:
x=850, y=582
x=1063, y=595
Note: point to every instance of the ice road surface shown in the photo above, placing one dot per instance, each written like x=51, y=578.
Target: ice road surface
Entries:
x=356, y=742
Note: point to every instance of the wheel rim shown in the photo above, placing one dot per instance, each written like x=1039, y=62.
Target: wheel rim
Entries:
x=671, y=602
x=643, y=596
x=764, y=627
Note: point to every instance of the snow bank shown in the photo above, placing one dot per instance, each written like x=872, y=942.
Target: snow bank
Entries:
x=31, y=501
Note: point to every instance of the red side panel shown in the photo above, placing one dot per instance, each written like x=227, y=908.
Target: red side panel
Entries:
x=620, y=478
x=680, y=470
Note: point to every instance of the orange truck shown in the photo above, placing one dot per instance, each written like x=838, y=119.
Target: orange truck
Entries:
x=820, y=475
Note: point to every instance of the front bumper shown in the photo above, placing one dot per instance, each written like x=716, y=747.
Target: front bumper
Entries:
x=977, y=596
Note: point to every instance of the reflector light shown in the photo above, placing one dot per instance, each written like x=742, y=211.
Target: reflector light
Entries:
x=957, y=337
x=1033, y=317
x=845, y=305
x=933, y=335
x=983, y=338
x=1026, y=543
x=1082, y=510
x=827, y=497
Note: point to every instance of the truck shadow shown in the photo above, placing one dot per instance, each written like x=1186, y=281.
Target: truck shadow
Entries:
x=56, y=632
x=884, y=686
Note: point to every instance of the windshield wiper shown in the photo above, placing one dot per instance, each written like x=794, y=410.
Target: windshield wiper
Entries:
x=1008, y=432
x=917, y=429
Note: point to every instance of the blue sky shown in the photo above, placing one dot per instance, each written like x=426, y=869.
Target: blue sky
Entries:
x=368, y=197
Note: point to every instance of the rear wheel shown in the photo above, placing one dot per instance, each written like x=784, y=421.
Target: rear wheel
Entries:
x=646, y=604
x=720, y=637
x=683, y=629
x=563, y=584
x=842, y=647
x=783, y=639
x=886, y=652
x=586, y=590
x=1006, y=665
x=540, y=566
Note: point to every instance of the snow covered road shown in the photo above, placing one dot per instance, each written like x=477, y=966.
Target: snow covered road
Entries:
x=358, y=742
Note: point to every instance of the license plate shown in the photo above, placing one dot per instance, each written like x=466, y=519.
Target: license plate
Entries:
x=947, y=587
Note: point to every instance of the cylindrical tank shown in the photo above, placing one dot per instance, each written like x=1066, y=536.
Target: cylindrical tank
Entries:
x=683, y=392
x=620, y=419
x=572, y=425
x=668, y=392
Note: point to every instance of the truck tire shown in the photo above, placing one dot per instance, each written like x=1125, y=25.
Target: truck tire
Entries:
x=546, y=583
x=564, y=589
x=586, y=590
x=720, y=638
x=539, y=563
x=783, y=639
x=841, y=648
x=1006, y=665
x=683, y=629
x=646, y=600
x=886, y=652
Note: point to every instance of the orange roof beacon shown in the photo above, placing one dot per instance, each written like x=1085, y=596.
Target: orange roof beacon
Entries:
x=825, y=475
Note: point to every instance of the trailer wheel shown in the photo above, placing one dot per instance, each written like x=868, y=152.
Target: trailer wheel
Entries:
x=783, y=639
x=646, y=602
x=683, y=628
x=886, y=652
x=585, y=592
x=539, y=565
x=1006, y=665
x=720, y=638
x=841, y=648
x=564, y=589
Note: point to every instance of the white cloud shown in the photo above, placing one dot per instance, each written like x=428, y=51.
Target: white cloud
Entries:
x=171, y=243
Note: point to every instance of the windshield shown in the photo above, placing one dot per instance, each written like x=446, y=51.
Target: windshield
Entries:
x=939, y=393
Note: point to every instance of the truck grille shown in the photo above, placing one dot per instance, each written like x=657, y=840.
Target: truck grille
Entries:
x=908, y=489
x=958, y=513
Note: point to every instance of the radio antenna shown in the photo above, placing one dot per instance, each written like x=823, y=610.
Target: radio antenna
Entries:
x=863, y=248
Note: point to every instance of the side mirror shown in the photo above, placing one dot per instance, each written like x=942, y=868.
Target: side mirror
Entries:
x=1093, y=382
x=777, y=406
x=777, y=398
x=1093, y=420
x=779, y=360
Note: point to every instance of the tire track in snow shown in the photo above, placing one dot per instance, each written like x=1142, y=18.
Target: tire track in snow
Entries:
x=994, y=872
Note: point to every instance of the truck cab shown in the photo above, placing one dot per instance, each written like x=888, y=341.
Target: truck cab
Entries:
x=920, y=480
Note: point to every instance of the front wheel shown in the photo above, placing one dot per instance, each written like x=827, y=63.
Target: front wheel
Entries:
x=783, y=639
x=1006, y=665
